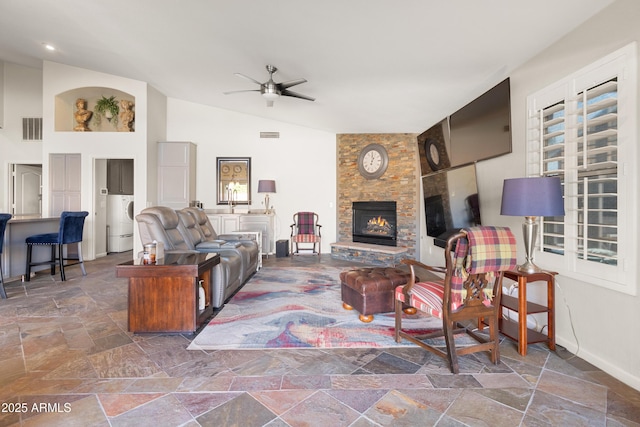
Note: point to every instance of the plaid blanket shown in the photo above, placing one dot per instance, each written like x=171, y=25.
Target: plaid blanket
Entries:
x=485, y=250
x=306, y=223
x=492, y=249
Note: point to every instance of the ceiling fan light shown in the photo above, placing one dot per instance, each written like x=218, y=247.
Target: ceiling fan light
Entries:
x=270, y=96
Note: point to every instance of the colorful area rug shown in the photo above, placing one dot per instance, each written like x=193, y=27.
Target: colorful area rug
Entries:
x=299, y=308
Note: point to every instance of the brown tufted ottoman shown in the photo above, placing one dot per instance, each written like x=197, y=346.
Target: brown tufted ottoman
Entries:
x=371, y=290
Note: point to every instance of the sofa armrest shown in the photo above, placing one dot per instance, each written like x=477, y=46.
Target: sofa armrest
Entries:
x=216, y=244
x=238, y=237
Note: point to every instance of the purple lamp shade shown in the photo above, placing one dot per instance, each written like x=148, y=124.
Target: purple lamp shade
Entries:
x=539, y=196
x=266, y=186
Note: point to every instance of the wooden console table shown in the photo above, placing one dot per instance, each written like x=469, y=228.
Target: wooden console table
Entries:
x=519, y=331
x=163, y=297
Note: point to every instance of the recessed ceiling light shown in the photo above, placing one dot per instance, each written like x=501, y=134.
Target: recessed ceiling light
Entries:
x=49, y=46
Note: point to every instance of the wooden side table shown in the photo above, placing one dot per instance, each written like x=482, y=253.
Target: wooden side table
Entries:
x=163, y=297
x=519, y=331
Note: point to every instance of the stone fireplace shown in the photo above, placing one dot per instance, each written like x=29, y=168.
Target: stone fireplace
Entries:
x=400, y=183
x=375, y=223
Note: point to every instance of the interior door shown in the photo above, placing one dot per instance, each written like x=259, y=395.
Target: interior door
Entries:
x=27, y=189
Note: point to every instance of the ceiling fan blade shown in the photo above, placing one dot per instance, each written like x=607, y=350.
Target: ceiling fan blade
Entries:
x=248, y=78
x=291, y=83
x=238, y=91
x=296, y=95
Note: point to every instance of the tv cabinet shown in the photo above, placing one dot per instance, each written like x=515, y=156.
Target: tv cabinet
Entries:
x=163, y=297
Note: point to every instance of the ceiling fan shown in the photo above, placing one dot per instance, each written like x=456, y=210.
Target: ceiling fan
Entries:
x=271, y=90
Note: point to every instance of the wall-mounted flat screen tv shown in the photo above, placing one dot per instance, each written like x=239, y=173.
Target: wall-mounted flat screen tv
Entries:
x=478, y=131
x=482, y=129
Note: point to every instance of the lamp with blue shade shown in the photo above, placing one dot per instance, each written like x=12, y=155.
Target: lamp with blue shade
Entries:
x=531, y=198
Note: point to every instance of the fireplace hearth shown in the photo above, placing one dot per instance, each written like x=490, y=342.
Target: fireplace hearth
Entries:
x=375, y=223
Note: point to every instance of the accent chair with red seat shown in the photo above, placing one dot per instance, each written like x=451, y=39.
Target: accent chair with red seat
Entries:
x=305, y=230
x=469, y=296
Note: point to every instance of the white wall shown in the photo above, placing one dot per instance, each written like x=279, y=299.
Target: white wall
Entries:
x=606, y=322
x=302, y=161
x=59, y=78
x=22, y=98
x=156, y=131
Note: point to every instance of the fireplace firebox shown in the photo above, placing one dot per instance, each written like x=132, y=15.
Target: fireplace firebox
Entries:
x=375, y=223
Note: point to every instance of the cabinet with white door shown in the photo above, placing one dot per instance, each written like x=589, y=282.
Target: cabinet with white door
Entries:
x=176, y=174
x=226, y=223
x=65, y=182
x=264, y=223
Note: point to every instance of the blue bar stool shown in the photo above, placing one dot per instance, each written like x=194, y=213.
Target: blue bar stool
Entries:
x=71, y=227
x=4, y=218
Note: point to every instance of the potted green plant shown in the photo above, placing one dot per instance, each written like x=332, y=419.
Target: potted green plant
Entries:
x=107, y=107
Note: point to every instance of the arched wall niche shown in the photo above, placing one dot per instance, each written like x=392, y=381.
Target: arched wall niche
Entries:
x=65, y=108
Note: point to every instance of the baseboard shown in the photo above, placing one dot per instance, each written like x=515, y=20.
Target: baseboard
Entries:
x=611, y=369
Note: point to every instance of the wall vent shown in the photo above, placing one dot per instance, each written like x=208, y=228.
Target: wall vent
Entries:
x=32, y=128
x=269, y=134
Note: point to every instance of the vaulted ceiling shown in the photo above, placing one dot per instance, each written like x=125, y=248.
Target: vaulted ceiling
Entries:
x=372, y=65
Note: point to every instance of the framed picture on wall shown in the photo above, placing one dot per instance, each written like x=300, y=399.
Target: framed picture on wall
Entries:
x=234, y=180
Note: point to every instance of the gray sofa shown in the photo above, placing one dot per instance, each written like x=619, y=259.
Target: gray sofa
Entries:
x=205, y=238
x=179, y=232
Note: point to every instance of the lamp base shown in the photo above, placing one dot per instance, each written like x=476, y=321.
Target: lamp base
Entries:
x=529, y=231
x=529, y=268
x=266, y=204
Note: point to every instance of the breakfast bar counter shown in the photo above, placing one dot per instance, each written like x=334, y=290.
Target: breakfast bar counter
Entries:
x=14, y=255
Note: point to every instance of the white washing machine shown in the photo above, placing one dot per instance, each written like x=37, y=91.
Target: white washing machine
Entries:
x=120, y=222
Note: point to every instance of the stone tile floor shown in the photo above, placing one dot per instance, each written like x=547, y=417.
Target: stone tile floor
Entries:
x=67, y=359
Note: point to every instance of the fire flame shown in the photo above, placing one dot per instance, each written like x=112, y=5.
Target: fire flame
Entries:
x=379, y=221
x=378, y=225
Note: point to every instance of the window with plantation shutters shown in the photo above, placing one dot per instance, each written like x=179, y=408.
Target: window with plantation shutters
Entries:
x=597, y=173
x=582, y=130
x=552, y=120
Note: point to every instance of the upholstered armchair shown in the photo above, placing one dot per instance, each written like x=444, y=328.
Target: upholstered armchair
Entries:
x=305, y=230
x=468, y=298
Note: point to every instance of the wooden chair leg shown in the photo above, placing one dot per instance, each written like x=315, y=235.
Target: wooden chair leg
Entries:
x=398, y=320
x=451, y=346
x=493, y=335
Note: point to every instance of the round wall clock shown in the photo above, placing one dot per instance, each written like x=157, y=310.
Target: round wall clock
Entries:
x=433, y=155
x=373, y=161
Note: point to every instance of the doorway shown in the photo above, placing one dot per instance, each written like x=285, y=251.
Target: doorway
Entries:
x=113, y=205
x=25, y=189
